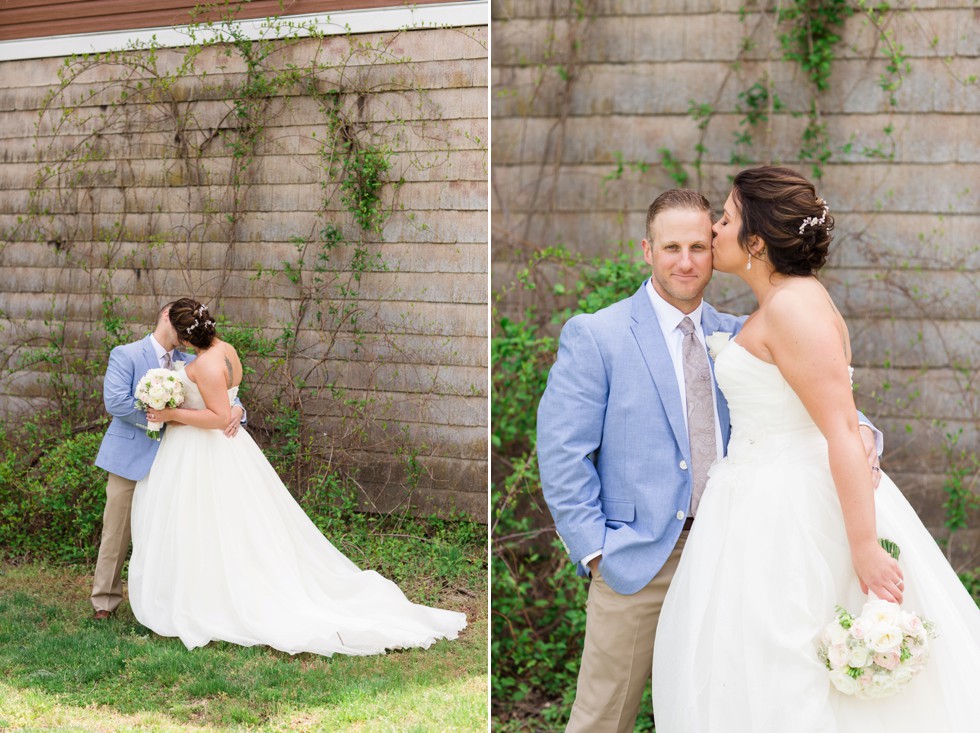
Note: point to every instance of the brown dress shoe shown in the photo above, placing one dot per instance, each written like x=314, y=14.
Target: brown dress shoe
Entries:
x=102, y=615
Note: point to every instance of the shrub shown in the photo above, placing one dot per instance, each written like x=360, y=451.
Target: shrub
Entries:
x=53, y=509
x=538, y=614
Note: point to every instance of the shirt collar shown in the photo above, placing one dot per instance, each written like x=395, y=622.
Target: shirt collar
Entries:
x=668, y=316
x=160, y=351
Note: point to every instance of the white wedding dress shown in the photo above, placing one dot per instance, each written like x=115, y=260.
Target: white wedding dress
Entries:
x=764, y=566
x=222, y=551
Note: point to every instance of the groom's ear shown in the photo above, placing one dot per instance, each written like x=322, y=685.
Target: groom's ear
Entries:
x=647, y=251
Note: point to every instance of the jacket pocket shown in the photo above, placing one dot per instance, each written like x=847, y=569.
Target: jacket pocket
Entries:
x=618, y=511
x=120, y=431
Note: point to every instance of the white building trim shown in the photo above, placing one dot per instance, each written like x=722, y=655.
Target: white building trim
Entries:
x=438, y=15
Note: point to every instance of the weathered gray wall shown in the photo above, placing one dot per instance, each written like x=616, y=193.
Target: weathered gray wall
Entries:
x=424, y=347
x=572, y=97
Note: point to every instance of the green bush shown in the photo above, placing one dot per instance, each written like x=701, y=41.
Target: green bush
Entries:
x=971, y=581
x=538, y=614
x=53, y=509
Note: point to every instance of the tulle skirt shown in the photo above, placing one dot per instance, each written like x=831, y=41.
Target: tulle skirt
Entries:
x=221, y=550
x=765, y=564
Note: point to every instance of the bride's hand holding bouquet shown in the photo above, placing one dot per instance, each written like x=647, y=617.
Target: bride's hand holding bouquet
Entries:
x=878, y=571
x=158, y=390
x=878, y=652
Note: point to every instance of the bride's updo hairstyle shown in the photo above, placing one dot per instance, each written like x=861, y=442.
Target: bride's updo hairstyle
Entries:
x=781, y=207
x=193, y=322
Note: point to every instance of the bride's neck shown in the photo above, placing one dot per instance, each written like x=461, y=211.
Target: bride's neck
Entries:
x=761, y=279
x=214, y=342
x=767, y=282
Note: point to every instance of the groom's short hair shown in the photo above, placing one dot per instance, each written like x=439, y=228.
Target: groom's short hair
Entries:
x=164, y=308
x=675, y=198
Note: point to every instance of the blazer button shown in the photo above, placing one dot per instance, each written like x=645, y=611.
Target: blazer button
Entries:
x=683, y=465
x=680, y=515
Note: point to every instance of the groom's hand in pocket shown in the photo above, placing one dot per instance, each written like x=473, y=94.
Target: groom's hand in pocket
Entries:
x=871, y=450
x=594, y=564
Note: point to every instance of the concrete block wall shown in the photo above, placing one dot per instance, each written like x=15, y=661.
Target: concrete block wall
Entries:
x=147, y=226
x=581, y=106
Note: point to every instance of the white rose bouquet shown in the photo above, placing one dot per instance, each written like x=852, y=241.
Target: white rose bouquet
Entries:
x=158, y=388
x=877, y=653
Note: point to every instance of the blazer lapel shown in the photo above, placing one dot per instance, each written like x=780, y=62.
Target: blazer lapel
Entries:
x=149, y=355
x=649, y=337
x=709, y=324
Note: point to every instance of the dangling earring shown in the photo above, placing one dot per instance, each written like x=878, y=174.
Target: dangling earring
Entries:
x=749, y=265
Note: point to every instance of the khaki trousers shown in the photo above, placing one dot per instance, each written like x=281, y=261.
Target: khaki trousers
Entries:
x=107, y=591
x=618, y=656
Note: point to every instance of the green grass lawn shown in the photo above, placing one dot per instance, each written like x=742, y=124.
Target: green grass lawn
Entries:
x=62, y=670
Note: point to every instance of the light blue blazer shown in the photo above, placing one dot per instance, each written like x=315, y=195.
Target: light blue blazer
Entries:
x=612, y=443
x=125, y=449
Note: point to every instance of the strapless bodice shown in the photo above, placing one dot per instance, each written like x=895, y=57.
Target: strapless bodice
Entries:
x=192, y=395
x=766, y=414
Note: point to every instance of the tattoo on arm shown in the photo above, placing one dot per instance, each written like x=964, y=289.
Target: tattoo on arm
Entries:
x=231, y=372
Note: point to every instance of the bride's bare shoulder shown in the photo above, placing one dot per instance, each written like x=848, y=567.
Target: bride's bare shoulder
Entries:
x=799, y=294
x=206, y=361
x=229, y=349
x=800, y=300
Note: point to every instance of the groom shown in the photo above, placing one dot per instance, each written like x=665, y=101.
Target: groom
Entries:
x=628, y=426
x=127, y=454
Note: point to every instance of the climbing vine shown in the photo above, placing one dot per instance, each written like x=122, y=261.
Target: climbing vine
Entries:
x=154, y=165
x=777, y=99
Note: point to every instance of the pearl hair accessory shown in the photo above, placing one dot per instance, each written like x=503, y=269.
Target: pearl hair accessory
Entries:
x=208, y=324
x=200, y=312
x=813, y=221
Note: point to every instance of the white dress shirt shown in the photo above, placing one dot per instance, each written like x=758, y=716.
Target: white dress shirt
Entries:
x=160, y=352
x=670, y=319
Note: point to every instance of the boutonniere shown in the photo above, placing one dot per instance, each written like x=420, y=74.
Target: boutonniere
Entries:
x=717, y=342
x=178, y=364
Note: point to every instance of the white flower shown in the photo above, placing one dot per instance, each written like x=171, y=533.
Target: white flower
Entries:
x=717, y=342
x=884, y=637
x=835, y=634
x=157, y=389
x=179, y=364
x=844, y=682
x=858, y=656
x=912, y=624
x=902, y=675
x=918, y=646
x=878, y=611
x=883, y=649
x=860, y=627
x=837, y=655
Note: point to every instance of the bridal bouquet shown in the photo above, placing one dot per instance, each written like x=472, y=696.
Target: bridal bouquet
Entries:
x=158, y=388
x=878, y=652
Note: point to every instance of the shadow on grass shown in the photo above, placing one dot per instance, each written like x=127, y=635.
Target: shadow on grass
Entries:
x=50, y=644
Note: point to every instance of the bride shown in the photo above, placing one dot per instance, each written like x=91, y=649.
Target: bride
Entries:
x=789, y=522
x=222, y=551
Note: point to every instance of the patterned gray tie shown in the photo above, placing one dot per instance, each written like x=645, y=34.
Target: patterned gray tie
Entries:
x=167, y=361
x=700, y=411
